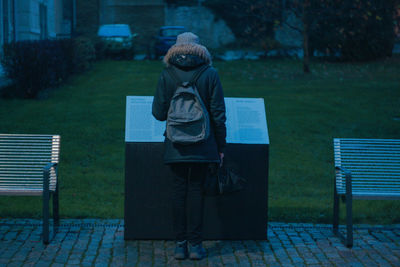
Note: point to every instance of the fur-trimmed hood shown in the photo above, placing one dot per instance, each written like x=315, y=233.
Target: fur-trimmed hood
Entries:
x=187, y=49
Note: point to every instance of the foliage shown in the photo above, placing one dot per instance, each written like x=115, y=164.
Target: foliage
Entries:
x=36, y=65
x=83, y=54
x=33, y=66
x=359, y=30
x=257, y=20
x=99, y=47
x=251, y=21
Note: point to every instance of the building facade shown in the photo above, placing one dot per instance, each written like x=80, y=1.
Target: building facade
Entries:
x=35, y=19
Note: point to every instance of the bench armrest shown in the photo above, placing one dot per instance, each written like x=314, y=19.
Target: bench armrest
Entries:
x=46, y=175
x=344, y=170
x=347, y=175
x=48, y=167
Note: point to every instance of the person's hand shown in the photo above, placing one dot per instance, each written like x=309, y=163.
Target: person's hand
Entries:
x=221, y=156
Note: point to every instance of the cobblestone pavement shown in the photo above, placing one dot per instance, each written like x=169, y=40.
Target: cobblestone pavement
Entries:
x=93, y=242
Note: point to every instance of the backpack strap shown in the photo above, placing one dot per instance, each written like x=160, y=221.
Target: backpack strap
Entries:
x=174, y=75
x=198, y=73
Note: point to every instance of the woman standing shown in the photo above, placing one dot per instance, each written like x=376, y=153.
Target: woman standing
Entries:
x=189, y=163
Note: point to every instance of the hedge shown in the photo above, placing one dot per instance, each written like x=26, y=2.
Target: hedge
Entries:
x=36, y=65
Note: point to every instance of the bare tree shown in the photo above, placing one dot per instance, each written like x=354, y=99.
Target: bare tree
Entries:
x=301, y=9
x=275, y=12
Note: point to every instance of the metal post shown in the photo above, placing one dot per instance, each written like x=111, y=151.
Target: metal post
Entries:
x=335, y=208
x=349, y=210
x=56, y=216
x=46, y=174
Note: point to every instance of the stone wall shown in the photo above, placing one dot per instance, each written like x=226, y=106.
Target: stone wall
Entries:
x=144, y=19
x=213, y=32
x=87, y=17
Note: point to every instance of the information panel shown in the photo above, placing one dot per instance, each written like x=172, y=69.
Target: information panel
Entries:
x=245, y=121
x=140, y=125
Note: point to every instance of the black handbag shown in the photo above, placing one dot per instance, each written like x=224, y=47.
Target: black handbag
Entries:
x=222, y=180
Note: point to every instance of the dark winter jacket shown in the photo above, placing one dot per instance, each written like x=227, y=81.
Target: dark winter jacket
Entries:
x=210, y=91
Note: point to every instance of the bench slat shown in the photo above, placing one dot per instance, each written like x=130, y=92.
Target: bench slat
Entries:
x=15, y=148
x=25, y=185
x=376, y=193
x=21, y=187
x=34, y=168
x=35, y=136
x=10, y=182
x=394, y=180
x=28, y=153
x=368, y=140
x=370, y=168
x=378, y=148
x=20, y=192
x=344, y=157
x=19, y=157
x=42, y=162
x=376, y=175
x=377, y=161
x=25, y=175
x=19, y=162
x=24, y=179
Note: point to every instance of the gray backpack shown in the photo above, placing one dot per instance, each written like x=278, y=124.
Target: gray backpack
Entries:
x=188, y=120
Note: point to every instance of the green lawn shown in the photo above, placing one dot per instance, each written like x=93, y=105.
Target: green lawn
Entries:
x=304, y=113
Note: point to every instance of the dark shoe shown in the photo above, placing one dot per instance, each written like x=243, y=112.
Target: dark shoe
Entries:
x=197, y=252
x=181, y=250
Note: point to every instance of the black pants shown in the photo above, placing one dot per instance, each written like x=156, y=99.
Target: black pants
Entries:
x=188, y=201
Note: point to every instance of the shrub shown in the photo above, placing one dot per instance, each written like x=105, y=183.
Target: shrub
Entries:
x=33, y=66
x=100, y=48
x=83, y=54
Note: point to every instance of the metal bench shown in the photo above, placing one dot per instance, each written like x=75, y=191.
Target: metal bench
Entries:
x=28, y=167
x=365, y=169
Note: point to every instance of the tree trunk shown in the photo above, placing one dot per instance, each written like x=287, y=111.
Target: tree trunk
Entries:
x=306, y=58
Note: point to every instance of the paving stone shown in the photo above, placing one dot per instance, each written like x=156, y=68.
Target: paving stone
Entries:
x=15, y=263
x=93, y=242
x=216, y=261
x=42, y=263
